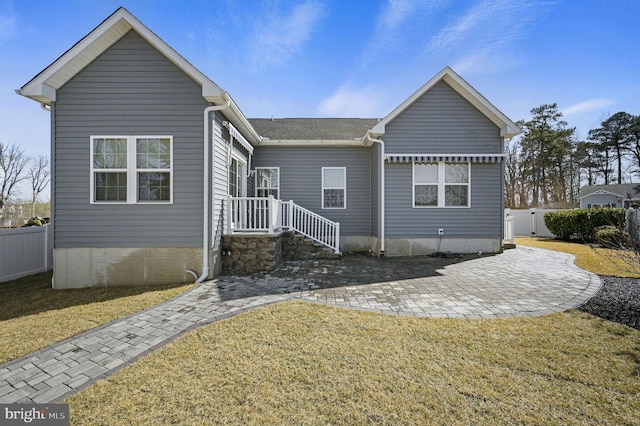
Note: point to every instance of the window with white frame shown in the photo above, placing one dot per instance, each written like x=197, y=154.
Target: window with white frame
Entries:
x=334, y=187
x=441, y=184
x=131, y=169
x=267, y=181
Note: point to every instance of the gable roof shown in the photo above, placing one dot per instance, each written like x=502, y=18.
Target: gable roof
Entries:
x=624, y=190
x=42, y=87
x=318, y=129
x=507, y=127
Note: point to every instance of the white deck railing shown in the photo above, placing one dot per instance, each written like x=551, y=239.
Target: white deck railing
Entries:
x=311, y=225
x=268, y=214
x=250, y=214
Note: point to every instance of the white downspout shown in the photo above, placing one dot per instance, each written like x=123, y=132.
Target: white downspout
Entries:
x=205, y=198
x=382, y=204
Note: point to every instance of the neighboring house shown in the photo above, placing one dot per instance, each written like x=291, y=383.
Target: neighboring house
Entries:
x=625, y=195
x=151, y=161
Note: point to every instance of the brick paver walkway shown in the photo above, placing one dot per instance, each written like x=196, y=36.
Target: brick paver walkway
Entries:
x=524, y=281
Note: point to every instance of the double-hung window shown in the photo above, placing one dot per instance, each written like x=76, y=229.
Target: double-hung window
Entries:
x=441, y=184
x=267, y=181
x=131, y=169
x=334, y=187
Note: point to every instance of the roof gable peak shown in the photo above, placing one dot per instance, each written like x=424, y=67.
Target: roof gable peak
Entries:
x=42, y=88
x=507, y=127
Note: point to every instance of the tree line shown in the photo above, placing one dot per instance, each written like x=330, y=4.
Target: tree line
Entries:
x=16, y=167
x=547, y=164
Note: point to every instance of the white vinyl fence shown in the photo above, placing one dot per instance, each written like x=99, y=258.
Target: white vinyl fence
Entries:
x=25, y=251
x=633, y=223
x=529, y=222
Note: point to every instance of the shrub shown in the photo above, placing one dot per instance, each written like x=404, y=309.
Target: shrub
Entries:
x=581, y=224
x=35, y=221
x=613, y=237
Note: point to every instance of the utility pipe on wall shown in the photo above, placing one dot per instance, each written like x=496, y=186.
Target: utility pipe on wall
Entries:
x=381, y=171
x=205, y=201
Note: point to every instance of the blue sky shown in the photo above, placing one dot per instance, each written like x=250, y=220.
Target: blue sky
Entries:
x=339, y=58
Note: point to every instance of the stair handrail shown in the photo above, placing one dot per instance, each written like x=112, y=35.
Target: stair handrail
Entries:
x=310, y=224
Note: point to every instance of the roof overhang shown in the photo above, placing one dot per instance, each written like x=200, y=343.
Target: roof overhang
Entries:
x=42, y=88
x=601, y=192
x=508, y=128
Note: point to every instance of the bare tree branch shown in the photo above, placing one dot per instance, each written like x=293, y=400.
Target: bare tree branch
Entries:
x=12, y=164
x=39, y=176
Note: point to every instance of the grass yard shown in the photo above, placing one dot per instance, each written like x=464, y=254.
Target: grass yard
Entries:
x=33, y=315
x=302, y=363
x=600, y=261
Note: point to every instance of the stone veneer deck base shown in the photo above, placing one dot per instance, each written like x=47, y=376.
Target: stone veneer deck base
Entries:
x=252, y=252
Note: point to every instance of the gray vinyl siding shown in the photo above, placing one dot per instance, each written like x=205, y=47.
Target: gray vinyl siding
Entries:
x=482, y=220
x=220, y=179
x=301, y=181
x=442, y=122
x=131, y=89
x=221, y=176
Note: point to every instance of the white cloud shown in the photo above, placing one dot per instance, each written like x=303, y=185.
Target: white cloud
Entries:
x=395, y=14
x=277, y=37
x=8, y=27
x=397, y=19
x=484, y=36
x=459, y=31
x=350, y=102
x=587, y=106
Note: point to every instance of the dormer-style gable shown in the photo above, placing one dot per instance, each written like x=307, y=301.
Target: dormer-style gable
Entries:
x=507, y=127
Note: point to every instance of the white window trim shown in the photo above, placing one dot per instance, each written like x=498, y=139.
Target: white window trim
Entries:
x=131, y=170
x=257, y=188
x=344, y=169
x=441, y=186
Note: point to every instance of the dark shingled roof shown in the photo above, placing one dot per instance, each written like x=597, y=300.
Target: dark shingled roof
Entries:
x=313, y=128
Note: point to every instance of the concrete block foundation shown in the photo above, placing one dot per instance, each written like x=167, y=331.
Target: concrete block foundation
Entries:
x=101, y=267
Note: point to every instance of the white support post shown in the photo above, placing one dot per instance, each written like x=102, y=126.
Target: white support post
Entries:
x=290, y=214
x=337, y=237
x=229, y=214
x=271, y=212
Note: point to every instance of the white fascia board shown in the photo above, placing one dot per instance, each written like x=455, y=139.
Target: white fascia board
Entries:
x=77, y=57
x=240, y=122
x=510, y=131
x=312, y=142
